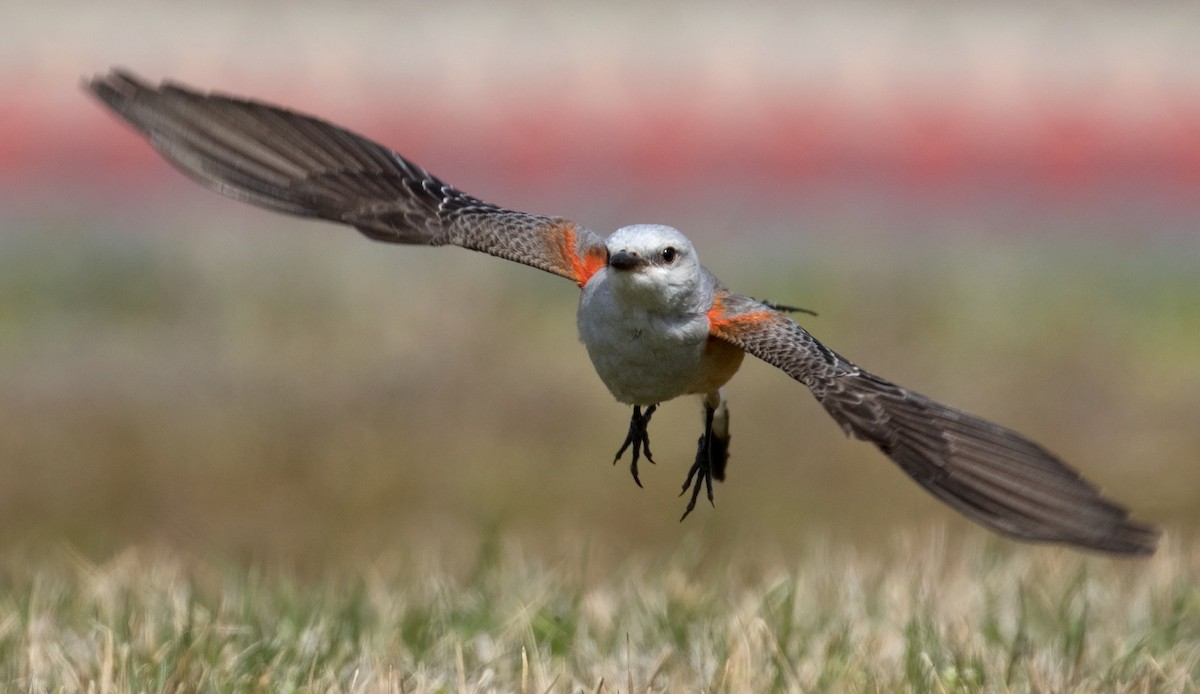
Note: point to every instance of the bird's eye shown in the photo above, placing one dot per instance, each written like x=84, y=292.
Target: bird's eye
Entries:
x=668, y=254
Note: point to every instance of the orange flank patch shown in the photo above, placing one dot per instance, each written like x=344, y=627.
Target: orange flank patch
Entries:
x=721, y=362
x=721, y=324
x=583, y=265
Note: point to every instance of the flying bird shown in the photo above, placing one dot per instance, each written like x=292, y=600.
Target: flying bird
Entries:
x=656, y=323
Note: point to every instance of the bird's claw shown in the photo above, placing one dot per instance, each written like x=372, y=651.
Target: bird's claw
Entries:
x=639, y=438
x=701, y=472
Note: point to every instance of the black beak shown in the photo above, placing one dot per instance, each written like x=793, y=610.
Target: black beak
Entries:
x=624, y=260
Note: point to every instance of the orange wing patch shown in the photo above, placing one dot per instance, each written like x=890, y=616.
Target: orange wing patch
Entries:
x=583, y=265
x=721, y=324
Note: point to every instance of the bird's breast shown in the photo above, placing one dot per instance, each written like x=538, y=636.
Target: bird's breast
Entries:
x=646, y=357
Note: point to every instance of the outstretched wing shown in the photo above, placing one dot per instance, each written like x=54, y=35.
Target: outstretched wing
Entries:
x=288, y=162
x=990, y=474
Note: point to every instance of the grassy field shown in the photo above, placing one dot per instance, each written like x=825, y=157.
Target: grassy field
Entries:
x=927, y=614
x=256, y=455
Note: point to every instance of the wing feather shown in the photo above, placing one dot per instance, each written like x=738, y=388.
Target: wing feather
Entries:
x=989, y=473
x=292, y=163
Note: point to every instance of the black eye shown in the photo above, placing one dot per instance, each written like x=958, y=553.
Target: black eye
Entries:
x=668, y=254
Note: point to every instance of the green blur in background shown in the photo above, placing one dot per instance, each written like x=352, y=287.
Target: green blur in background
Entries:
x=244, y=385
x=992, y=204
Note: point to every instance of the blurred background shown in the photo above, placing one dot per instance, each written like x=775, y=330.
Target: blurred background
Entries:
x=995, y=204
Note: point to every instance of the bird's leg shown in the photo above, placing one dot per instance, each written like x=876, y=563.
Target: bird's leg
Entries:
x=639, y=437
x=712, y=452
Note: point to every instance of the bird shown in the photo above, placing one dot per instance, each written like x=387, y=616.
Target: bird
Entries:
x=656, y=324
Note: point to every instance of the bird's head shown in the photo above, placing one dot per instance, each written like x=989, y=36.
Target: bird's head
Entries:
x=656, y=266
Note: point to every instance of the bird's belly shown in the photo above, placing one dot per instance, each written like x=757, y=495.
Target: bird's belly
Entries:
x=643, y=363
x=645, y=376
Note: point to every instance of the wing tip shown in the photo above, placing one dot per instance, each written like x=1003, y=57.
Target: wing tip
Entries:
x=118, y=81
x=120, y=90
x=1132, y=539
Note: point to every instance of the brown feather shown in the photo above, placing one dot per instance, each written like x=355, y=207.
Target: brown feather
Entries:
x=289, y=162
x=990, y=474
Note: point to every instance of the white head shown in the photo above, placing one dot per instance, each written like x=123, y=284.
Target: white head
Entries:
x=656, y=266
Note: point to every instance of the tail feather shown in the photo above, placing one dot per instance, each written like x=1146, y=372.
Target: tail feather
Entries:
x=720, y=434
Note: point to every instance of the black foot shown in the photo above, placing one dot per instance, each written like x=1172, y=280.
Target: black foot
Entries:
x=639, y=437
x=712, y=452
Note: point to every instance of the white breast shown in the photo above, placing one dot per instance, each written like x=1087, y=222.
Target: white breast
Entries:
x=643, y=356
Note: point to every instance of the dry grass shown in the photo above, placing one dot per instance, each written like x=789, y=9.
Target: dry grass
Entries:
x=924, y=615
